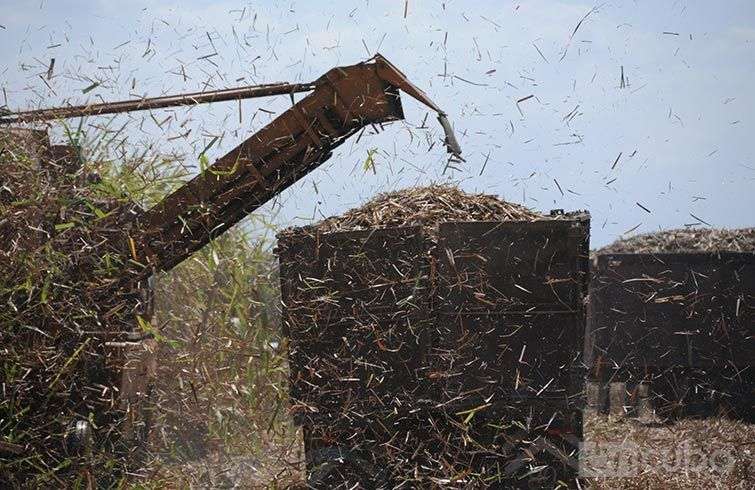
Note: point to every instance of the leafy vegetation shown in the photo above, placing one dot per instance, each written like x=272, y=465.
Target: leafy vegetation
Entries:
x=209, y=372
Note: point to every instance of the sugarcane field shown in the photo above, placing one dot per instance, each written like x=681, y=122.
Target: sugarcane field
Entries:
x=377, y=244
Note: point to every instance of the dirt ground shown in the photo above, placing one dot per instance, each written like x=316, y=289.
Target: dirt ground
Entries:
x=279, y=466
x=619, y=454
x=710, y=453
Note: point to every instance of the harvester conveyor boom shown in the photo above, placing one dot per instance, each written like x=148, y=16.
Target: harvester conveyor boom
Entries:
x=341, y=103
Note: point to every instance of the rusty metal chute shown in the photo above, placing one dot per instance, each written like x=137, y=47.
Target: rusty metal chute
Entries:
x=341, y=102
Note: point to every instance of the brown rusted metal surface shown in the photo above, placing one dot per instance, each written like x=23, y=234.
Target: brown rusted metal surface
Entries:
x=682, y=321
x=351, y=296
x=343, y=101
x=393, y=335
x=296, y=142
x=368, y=452
x=485, y=282
x=509, y=305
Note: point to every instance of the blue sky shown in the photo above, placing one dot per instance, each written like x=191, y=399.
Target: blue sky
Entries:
x=682, y=123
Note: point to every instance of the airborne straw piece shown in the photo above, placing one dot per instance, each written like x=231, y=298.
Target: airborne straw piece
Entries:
x=576, y=28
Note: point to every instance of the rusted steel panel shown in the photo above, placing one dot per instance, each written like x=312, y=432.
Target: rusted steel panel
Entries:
x=684, y=321
x=355, y=273
x=371, y=307
x=356, y=365
x=510, y=309
x=476, y=357
x=355, y=310
x=414, y=448
x=670, y=310
x=395, y=369
x=512, y=266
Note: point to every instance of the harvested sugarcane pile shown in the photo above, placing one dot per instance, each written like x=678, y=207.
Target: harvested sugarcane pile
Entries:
x=392, y=310
x=59, y=333
x=686, y=240
x=426, y=207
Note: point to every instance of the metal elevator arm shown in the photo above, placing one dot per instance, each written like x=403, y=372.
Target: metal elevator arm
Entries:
x=341, y=102
x=344, y=101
